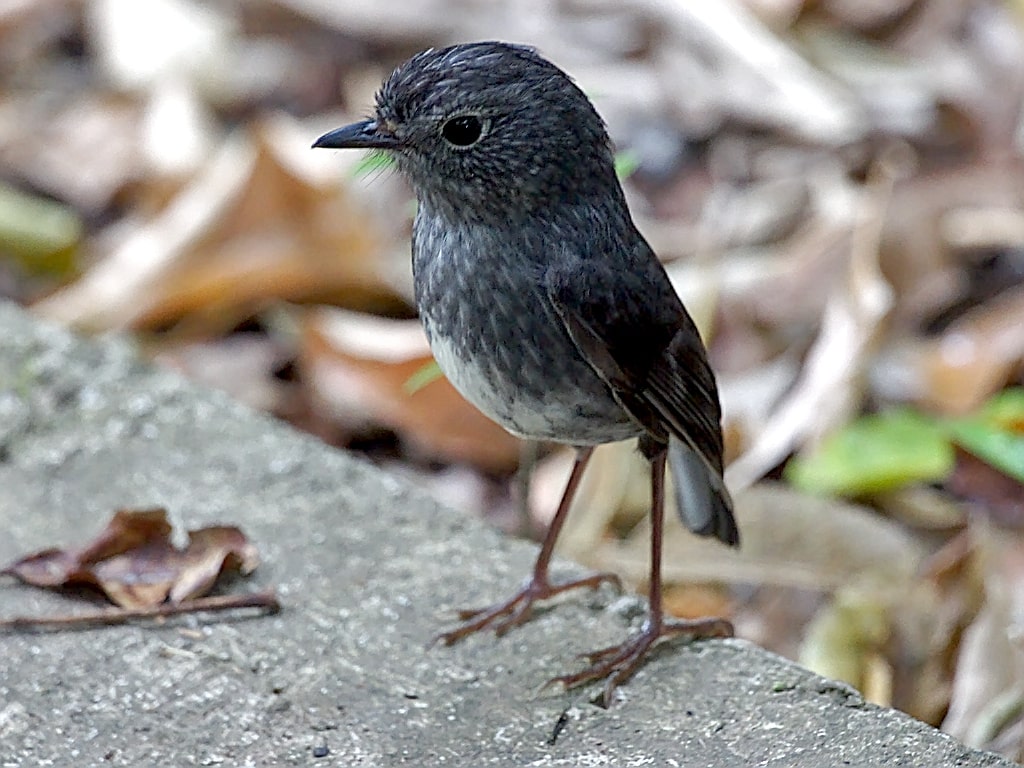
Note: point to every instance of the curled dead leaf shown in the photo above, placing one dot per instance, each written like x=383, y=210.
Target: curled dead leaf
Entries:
x=134, y=562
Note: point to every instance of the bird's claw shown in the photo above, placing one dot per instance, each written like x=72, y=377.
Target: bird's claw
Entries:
x=503, y=616
x=617, y=663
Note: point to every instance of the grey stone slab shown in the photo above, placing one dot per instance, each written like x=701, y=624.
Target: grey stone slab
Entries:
x=369, y=570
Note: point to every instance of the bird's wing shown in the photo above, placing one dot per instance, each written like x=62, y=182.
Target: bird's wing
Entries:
x=630, y=326
x=633, y=330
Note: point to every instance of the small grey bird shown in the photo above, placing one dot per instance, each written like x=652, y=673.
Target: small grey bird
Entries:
x=544, y=305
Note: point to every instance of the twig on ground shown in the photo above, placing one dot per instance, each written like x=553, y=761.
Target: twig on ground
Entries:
x=266, y=602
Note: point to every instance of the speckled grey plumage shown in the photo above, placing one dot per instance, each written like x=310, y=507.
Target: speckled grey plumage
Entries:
x=498, y=338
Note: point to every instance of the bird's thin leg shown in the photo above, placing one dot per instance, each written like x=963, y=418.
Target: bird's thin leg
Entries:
x=617, y=663
x=502, y=616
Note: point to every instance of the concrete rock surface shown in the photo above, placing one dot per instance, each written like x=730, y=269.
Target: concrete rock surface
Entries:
x=368, y=570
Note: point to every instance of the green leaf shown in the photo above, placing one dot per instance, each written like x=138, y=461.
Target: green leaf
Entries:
x=428, y=373
x=1001, y=448
x=996, y=433
x=626, y=163
x=876, y=453
x=1006, y=409
x=40, y=234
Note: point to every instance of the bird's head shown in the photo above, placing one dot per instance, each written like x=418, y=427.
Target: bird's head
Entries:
x=488, y=128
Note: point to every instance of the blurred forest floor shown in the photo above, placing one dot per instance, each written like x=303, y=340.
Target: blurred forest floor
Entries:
x=836, y=187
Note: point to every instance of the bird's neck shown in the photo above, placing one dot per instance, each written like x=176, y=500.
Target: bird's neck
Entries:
x=557, y=208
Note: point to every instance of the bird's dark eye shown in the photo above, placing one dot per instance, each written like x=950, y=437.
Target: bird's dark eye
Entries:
x=462, y=131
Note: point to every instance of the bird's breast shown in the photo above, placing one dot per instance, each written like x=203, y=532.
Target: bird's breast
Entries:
x=497, y=338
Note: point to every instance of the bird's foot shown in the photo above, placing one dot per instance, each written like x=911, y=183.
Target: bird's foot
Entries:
x=617, y=663
x=501, y=617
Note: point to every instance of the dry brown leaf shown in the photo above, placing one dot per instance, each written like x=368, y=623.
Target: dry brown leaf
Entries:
x=988, y=687
x=358, y=369
x=83, y=151
x=919, y=234
x=749, y=399
x=865, y=16
x=846, y=642
x=692, y=601
x=126, y=531
x=781, y=283
x=973, y=359
x=828, y=388
x=922, y=507
x=994, y=493
x=251, y=229
x=134, y=562
x=211, y=552
x=789, y=539
x=888, y=637
x=754, y=76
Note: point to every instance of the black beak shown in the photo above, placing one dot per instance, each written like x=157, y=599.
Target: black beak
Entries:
x=363, y=135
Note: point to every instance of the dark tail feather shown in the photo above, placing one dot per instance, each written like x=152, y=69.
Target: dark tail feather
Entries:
x=704, y=504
